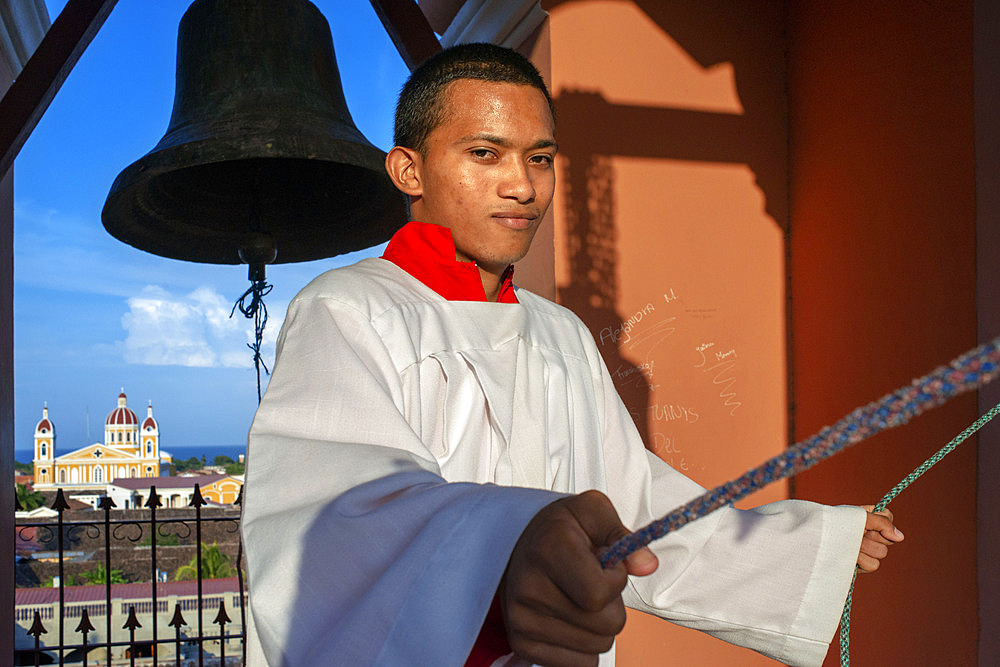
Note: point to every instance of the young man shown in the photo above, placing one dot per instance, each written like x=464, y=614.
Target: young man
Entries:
x=457, y=443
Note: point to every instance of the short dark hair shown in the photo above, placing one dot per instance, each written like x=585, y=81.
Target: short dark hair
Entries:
x=420, y=107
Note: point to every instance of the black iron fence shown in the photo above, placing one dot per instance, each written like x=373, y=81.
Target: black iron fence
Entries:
x=126, y=623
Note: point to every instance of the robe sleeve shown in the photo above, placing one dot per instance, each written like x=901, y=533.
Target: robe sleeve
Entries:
x=358, y=551
x=772, y=579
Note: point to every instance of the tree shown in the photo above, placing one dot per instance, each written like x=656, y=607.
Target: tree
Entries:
x=235, y=469
x=25, y=468
x=222, y=460
x=214, y=565
x=29, y=499
x=99, y=575
x=162, y=540
x=192, y=463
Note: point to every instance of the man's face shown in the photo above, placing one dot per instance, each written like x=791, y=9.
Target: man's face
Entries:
x=487, y=170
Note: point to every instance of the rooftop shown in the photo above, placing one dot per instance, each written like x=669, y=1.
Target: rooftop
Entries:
x=140, y=591
x=136, y=483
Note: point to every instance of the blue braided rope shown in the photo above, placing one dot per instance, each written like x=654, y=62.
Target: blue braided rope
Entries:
x=969, y=371
x=845, y=618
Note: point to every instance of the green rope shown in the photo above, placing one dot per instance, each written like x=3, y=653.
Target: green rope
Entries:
x=845, y=619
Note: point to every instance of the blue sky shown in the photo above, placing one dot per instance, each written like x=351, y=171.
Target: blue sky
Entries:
x=93, y=315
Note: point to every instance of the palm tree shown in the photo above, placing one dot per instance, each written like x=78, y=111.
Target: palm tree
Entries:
x=99, y=575
x=29, y=499
x=214, y=565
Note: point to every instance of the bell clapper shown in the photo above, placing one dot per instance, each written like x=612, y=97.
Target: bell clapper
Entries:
x=257, y=251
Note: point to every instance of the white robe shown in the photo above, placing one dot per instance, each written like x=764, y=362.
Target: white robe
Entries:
x=405, y=441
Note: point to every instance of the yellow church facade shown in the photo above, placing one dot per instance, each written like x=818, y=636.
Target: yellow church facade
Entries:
x=130, y=449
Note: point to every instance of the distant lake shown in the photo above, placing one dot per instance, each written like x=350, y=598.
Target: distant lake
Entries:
x=25, y=455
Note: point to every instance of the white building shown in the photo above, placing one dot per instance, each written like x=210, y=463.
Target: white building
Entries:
x=175, y=491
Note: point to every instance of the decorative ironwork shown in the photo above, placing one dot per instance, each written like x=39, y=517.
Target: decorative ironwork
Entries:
x=144, y=638
x=85, y=628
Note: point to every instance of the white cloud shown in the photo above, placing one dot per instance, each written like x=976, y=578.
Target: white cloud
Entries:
x=194, y=329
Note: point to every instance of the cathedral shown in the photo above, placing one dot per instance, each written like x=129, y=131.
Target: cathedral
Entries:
x=130, y=449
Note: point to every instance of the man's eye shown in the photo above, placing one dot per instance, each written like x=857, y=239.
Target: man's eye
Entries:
x=541, y=159
x=482, y=153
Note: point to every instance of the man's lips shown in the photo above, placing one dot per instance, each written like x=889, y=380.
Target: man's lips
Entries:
x=515, y=219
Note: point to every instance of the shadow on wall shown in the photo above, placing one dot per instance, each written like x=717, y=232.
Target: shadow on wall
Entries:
x=588, y=184
x=593, y=131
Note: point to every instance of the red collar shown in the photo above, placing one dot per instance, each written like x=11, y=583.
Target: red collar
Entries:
x=427, y=252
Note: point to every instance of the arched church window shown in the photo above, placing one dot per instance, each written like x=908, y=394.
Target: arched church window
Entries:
x=98, y=474
x=62, y=476
x=44, y=450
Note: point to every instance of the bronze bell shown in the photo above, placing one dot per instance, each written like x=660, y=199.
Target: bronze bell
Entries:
x=261, y=153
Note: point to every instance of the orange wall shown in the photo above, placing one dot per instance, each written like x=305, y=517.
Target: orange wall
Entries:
x=800, y=177
x=883, y=286
x=669, y=237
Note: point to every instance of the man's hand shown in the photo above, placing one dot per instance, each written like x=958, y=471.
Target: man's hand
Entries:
x=560, y=607
x=879, y=534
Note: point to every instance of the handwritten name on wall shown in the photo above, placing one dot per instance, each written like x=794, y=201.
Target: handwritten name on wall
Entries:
x=689, y=361
x=615, y=334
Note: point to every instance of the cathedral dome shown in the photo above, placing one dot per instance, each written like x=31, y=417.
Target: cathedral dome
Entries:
x=149, y=422
x=44, y=425
x=122, y=415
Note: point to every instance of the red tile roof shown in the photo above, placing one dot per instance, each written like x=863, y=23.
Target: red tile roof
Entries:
x=96, y=592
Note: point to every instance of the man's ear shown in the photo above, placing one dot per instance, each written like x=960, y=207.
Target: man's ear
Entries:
x=403, y=166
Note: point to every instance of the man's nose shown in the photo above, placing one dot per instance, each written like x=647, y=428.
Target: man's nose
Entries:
x=516, y=183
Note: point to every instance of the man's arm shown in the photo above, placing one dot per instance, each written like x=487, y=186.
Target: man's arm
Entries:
x=772, y=579
x=561, y=608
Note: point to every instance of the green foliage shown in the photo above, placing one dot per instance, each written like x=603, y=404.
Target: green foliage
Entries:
x=25, y=468
x=99, y=575
x=193, y=463
x=29, y=499
x=168, y=540
x=214, y=565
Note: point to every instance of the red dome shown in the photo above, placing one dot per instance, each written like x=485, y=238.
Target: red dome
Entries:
x=149, y=422
x=121, y=416
x=44, y=423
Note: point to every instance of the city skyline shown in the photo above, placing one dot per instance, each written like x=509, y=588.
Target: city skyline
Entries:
x=93, y=315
